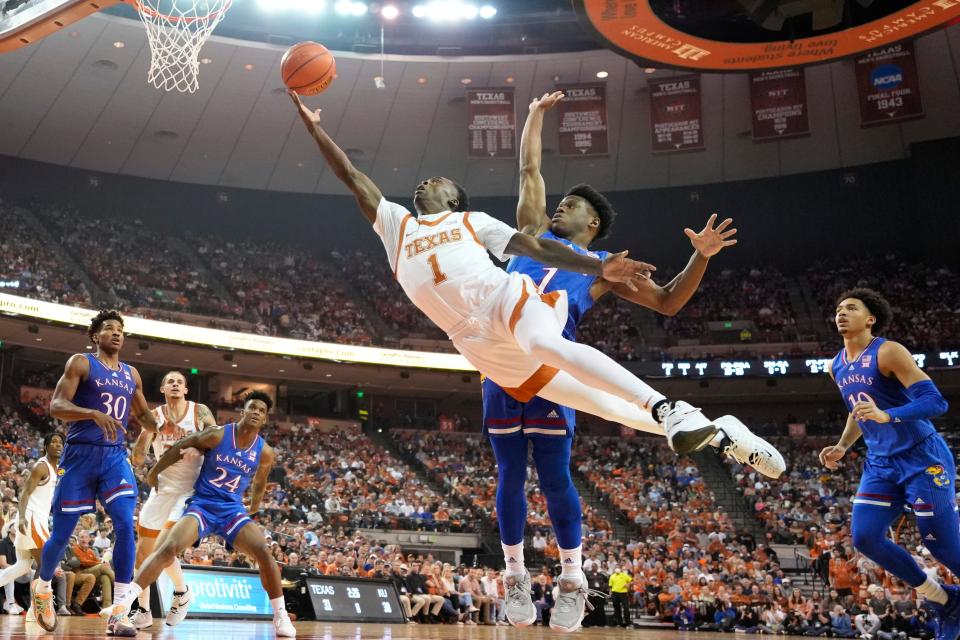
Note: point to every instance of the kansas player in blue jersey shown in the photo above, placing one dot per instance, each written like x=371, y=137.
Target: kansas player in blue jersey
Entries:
x=96, y=395
x=582, y=217
x=235, y=457
x=891, y=401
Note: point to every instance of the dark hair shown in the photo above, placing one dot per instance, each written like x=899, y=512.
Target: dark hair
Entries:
x=261, y=396
x=463, y=200
x=875, y=303
x=600, y=204
x=97, y=322
x=47, y=439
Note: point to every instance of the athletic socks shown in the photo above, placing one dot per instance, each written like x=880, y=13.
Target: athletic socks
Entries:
x=125, y=593
x=144, y=599
x=513, y=557
x=932, y=591
x=43, y=586
x=175, y=573
x=278, y=605
x=571, y=563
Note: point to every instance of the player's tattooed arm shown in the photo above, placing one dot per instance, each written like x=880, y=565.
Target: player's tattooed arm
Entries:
x=200, y=440
x=532, y=208
x=61, y=404
x=364, y=190
x=259, y=484
x=205, y=417
x=139, y=407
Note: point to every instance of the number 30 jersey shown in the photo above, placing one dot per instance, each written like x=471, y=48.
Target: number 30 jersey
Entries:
x=227, y=469
x=107, y=390
x=862, y=379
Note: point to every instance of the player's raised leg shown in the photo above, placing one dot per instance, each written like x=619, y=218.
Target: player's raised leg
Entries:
x=250, y=541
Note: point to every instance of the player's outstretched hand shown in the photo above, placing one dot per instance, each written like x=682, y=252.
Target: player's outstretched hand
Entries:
x=308, y=116
x=618, y=268
x=109, y=426
x=711, y=240
x=546, y=101
x=830, y=456
x=22, y=527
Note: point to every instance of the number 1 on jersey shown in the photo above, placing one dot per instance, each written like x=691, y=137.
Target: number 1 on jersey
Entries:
x=438, y=275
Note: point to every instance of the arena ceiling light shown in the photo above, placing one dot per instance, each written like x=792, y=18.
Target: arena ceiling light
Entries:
x=305, y=6
x=452, y=10
x=348, y=8
x=390, y=12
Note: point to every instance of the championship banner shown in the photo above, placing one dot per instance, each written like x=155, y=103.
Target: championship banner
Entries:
x=888, y=85
x=675, y=114
x=779, y=103
x=491, y=123
x=583, y=119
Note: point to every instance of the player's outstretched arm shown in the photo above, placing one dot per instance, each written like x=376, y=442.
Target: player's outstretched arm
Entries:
x=670, y=298
x=61, y=404
x=926, y=401
x=615, y=268
x=259, y=484
x=532, y=208
x=364, y=190
x=39, y=473
x=201, y=440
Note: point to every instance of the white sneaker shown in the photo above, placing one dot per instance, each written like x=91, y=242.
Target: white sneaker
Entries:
x=118, y=621
x=179, y=607
x=13, y=609
x=571, y=605
x=519, y=600
x=688, y=430
x=32, y=617
x=747, y=448
x=141, y=618
x=284, y=626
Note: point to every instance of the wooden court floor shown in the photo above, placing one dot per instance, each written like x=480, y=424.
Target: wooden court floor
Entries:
x=15, y=628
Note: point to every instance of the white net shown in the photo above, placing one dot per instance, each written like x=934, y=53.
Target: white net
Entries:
x=177, y=30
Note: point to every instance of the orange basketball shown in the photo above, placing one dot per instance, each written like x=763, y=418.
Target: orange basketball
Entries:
x=308, y=68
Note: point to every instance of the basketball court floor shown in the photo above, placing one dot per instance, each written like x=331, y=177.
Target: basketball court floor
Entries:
x=14, y=628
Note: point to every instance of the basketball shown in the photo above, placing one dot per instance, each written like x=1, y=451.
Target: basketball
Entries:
x=308, y=68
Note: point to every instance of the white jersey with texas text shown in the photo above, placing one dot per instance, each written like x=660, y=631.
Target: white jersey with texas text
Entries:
x=441, y=260
x=180, y=476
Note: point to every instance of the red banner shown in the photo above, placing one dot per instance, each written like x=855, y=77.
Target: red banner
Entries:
x=675, y=114
x=492, y=123
x=888, y=85
x=779, y=101
x=583, y=120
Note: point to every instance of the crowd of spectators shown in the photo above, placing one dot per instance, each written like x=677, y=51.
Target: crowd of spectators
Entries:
x=282, y=290
x=925, y=298
x=286, y=291
x=28, y=267
x=464, y=464
x=133, y=262
x=759, y=294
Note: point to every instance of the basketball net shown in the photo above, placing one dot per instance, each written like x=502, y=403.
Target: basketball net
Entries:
x=177, y=30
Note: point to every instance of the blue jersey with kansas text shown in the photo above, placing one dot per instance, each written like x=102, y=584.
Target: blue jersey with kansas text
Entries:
x=577, y=285
x=861, y=378
x=107, y=390
x=227, y=469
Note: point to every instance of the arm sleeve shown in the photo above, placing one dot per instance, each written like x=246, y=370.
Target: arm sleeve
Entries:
x=390, y=216
x=490, y=232
x=925, y=402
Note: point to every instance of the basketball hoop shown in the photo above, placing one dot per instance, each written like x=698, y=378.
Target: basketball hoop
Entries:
x=177, y=30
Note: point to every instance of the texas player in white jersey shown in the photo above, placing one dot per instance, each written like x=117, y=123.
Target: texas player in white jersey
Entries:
x=499, y=321
x=33, y=516
x=177, y=418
